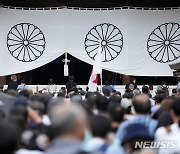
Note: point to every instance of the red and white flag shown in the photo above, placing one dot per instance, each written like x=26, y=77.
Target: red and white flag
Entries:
x=97, y=69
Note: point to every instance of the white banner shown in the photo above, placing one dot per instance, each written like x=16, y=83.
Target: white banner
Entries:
x=134, y=42
x=30, y=39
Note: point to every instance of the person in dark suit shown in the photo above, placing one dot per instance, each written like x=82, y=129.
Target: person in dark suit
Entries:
x=13, y=84
x=71, y=84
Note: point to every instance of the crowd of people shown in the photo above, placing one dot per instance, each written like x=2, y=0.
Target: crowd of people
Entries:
x=75, y=121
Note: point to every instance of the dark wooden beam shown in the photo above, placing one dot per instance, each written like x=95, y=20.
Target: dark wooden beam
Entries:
x=91, y=3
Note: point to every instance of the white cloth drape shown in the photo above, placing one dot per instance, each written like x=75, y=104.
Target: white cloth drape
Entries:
x=135, y=42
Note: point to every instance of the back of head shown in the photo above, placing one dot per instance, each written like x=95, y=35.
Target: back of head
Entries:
x=76, y=98
x=23, y=81
x=142, y=104
x=106, y=92
x=91, y=101
x=115, y=99
x=118, y=93
x=159, y=98
x=102, y=103
x=45, y=99
x=163, y=83
x=21, y=100
x=126, y=105
x=71, y=78
x=20, y=110
x=68, y=120
x=128, y=95
x=145, y=90
x=165, y=119
x=51, y=82
x=24, y=93
x=176, y=108
x=18, y=116
x=116, y=113
x=100, y=126
x=9, y=137
x=88, y=94
x=74, y=89
x=39, y=107
x=61, y=94
x=12, y=92
x=167, y=102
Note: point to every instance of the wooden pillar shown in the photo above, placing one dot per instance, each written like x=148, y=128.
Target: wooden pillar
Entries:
x=125, y=79
x=2, y=80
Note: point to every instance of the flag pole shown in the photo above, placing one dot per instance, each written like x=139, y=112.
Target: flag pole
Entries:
x=97, y=70
x=101, y=71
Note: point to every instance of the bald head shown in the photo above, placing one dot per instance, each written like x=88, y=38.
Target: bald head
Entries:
x=142, y=104
x=142, y=98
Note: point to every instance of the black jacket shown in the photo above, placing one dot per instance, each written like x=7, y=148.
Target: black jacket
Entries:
x=12, y=85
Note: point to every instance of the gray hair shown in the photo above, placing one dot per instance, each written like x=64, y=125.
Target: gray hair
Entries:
x=63, y=116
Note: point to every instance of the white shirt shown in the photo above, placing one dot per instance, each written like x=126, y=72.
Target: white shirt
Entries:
x=52, y=88
x=178, y=86
x=22, y=86
x=24, y=151
x=162, y=135
x=153, y=93
x=94, y=144
x=152, y=102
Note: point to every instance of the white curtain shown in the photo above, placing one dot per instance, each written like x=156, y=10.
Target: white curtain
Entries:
x=134, y=42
